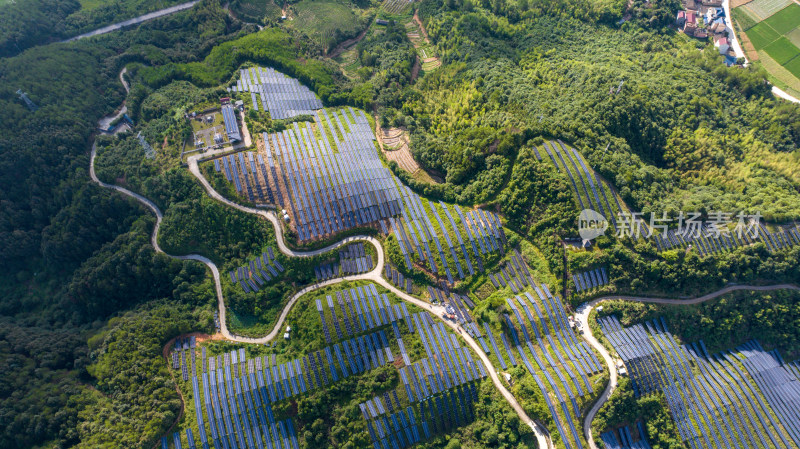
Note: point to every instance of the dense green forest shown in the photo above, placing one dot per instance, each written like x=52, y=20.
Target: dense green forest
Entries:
x=27, y=23
x=684, y=133
x=73, y=254
x=87, y=304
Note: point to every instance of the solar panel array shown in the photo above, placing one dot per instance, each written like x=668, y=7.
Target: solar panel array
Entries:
x=746, y=398
x=587, y=187
x=361, y=309
x=231, y=125
x=282, y=96
x=416, y=231
x=248, y=172
x=183, y=347
x=707, y=242
x=539, y=329
x=238, y=393
x=328, y=176
x=259, y=271
x=513, y=273
x=397, y=278
x=625, y=440
x=446, y=377
x=353, y=259
x=591, y=279
x=235, y=405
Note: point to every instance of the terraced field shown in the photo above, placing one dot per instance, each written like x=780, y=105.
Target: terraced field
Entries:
x=425, y=51
x=324, y=21
x=256, y=10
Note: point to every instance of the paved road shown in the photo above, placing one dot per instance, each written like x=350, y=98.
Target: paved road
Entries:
x=135, y=20
x=737, y=48
x=374, y=276
x=778, y=92
x=585, y=310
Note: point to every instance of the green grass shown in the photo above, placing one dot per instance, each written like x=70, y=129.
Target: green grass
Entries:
x=782, y=50
x=786, y=19
x=794, y=67
x=762, y=35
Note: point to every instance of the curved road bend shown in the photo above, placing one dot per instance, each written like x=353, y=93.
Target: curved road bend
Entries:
x=585, y=309
x=374, y=276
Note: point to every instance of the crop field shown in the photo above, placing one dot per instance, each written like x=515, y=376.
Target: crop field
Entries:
x=776, y=35
x=759, y=10
x=425, y=51
x=782, y=50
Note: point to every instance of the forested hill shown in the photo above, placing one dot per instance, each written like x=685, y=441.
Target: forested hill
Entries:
x=27, y=23
x=683, y=133
x=67, y=246
x=86, y=304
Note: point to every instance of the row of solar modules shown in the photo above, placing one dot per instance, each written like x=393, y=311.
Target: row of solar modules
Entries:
x=182, y=347
x=257, y=272
x=578, y=352
x=704, y=241
x=483, y=229
x=270, y=82
x=718, y=394
x=778, y=381
x=452, y=409
x=236, y=170
x=570, y=416
x=634, y=348
x=625, y=440
x=588, y=280
x=176, y=439
x=394, y=431
x=396, y=277
x=588, y=179
x=415, y=215
x=362, y=309
x=558, y=367
x=423, y=379
x=352, y=260
x=517, y=276
x=456, y=364
x=236, y=401
x=282, y=96
x=231, y=125
x=708, y=241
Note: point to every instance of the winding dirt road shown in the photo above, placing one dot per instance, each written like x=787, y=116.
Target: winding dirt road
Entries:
x=585, y=309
